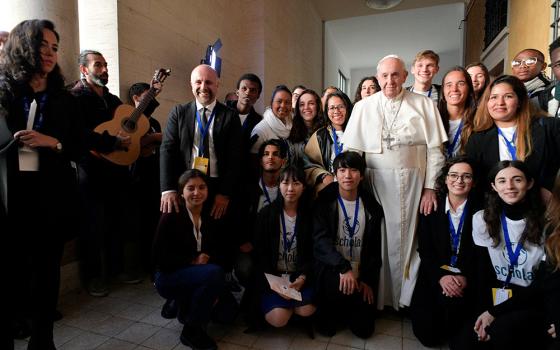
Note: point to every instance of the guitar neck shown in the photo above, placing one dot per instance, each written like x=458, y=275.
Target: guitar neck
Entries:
x=143, y=104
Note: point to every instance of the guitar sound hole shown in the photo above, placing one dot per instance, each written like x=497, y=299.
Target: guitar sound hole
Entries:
x=129, y=125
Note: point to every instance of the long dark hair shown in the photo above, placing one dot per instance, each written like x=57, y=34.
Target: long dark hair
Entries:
x=299, y=131
x=345, y=99
x=534, y=206
x=553, y=221
x=470, y=106
x=358, y=94
x=440, y=186
x=483, y=120
x=20, y=59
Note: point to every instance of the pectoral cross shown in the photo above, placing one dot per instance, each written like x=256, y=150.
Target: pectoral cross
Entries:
x=388, y=139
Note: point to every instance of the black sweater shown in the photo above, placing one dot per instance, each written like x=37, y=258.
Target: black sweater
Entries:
x=267, y=241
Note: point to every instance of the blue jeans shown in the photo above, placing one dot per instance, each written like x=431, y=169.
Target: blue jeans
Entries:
x=198, y=286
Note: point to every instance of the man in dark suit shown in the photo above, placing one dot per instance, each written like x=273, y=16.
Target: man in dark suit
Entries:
x=204, y=134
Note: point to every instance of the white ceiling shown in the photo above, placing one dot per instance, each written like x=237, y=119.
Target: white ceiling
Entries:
x=363, y=40
x=337, y=9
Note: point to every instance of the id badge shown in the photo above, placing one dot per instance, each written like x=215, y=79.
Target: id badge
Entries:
x=499, y=295
x=201, y=163
x=286, y=277
x=450, y=268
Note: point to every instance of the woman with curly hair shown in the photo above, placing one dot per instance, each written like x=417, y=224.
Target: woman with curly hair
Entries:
x=366, y=87
x=38, y=183
x=457, y=107
x=443, y=296
x=509, y=246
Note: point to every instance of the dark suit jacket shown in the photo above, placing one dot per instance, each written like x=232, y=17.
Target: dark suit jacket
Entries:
x=177, y=144
x=56, y=191
x=174, y=244
x=543, y=162
x=434, y=246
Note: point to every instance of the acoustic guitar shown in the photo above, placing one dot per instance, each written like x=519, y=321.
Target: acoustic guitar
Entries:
x=129, y=121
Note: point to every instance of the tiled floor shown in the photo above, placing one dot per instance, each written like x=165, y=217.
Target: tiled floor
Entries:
x=129, y=318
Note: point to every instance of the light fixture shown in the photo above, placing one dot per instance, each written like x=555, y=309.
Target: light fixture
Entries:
x=382, y=4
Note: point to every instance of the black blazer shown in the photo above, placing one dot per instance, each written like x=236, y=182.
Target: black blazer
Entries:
x=325, y=228
x=543, y=162
x=434, y=244
x=174, y=244
x=56, y=189
x=177, y=144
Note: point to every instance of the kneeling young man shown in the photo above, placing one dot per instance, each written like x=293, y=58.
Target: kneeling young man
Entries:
x=347, y=247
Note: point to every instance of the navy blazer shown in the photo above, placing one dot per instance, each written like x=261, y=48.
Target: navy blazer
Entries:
x=543, y=162
x=177, y=144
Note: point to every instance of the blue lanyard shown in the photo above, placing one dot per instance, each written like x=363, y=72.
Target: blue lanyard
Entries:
x=203, y=130
x=456, y=235
x=337, y=146
x=451, y=145
x=351, y=229
x=512, y=149
x=287, y=244
x=41, y=101
x=266, y=195
x=513, y=255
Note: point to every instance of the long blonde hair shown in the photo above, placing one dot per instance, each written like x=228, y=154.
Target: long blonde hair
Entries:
x=483, y=120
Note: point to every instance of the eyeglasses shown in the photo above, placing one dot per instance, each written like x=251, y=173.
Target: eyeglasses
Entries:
x=338, y=108
x=466, y=178
x=529, y=61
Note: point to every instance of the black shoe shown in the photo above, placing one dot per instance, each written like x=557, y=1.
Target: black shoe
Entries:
x=197, y=338
x=308, y=326
x=20, y=329
x=57, y=316
x=326, y=329
x=169, y=309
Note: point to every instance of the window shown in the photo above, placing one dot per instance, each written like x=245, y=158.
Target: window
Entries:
x=342, y=82
x=495, y=20
x=555, y=19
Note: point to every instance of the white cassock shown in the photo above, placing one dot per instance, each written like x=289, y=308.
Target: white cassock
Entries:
x=402, y=141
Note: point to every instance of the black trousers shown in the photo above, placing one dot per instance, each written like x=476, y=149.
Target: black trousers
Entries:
x=437, y=318
x=33, y=270
x=352, y=310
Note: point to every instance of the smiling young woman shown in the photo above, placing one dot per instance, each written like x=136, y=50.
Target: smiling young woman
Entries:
x=457, y=107
x=444, y=294
x=508, y=238
x=504, y=129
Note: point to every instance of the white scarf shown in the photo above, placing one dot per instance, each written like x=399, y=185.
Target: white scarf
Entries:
x=280, y=129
